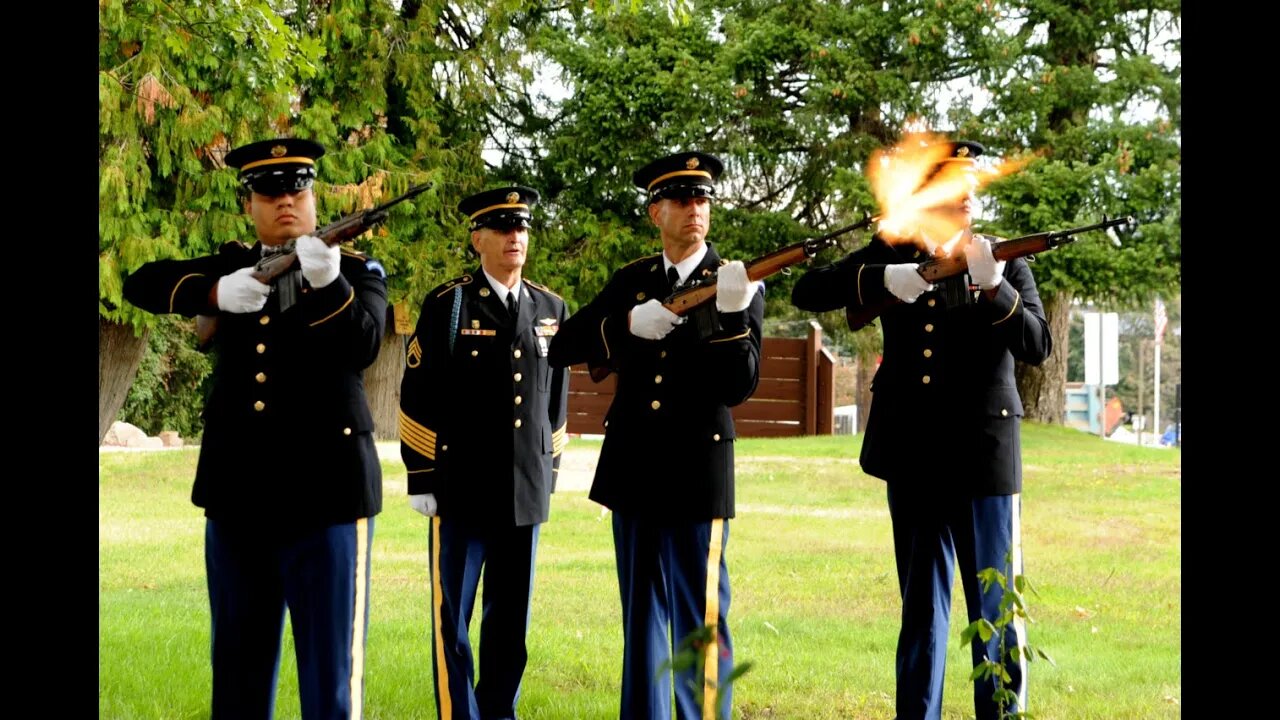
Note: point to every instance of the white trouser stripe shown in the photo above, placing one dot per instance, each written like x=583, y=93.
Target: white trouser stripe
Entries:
x=1019, y=625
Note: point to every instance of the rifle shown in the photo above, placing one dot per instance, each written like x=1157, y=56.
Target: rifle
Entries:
x=935, y=269
x=338, y=231
x=696, y=295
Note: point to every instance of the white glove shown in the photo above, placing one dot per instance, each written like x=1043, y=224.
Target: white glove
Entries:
x=733, y=290
x=319, y=261
x=425, y=504
x=240, y=292
x=651, y=321
x=905, y=282
x=984, y=271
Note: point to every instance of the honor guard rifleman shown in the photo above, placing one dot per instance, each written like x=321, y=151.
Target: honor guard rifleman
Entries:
x=666, y=466
x=945, y=390
x=482, y=427
x=288, y=473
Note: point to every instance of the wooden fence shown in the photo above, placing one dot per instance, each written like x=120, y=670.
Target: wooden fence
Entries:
x=796, y=394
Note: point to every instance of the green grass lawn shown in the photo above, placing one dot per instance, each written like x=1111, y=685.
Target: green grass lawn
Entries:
x=815, y=605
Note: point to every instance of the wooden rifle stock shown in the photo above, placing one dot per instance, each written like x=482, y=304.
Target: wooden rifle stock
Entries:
x=935, y=269
x=338, y=231
x=687, y=299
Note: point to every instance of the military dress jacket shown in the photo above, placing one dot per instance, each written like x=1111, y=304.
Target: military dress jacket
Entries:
x=668, y=446
x=288, y=435
x=945, y=408
x=482, y=414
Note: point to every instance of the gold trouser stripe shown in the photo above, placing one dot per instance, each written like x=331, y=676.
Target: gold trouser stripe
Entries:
x=604, y=339
x=711, y=661
x=860, y=269
x=437, y=603
x=357, y=627
x=350, y=297
x=417, y=437
x=426, y=470
x=174, y=294
x=735, y=337
x=1017, y=297
x=1019, y=625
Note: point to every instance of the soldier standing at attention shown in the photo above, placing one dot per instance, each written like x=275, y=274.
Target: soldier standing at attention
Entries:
x=482, y=427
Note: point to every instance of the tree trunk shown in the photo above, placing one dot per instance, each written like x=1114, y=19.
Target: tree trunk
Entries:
x=119, y=353
x=382, y=385
x=1043, y=389
x=866, y=370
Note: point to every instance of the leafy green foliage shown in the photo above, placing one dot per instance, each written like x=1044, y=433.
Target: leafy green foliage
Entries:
x=691, y=654
x=168, y=393
x=572, y=98
x=1012, y=605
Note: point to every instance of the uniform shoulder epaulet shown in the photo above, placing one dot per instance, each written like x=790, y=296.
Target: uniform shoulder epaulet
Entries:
x=655, y=261
x=369, y=263
x=446, y=287
x=544, y=288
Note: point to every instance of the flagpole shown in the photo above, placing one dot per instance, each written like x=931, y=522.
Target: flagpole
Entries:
x=1158, y=429
x=1161, y=318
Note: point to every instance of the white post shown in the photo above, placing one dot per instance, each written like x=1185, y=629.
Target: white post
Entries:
x=1102, y=383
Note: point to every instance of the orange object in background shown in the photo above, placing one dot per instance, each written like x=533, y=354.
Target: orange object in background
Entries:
x=1113, y=415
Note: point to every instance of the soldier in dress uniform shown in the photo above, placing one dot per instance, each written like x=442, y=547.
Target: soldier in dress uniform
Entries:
x=482, y=427
x=945, y=387
x=666, y=466
x=288, y=473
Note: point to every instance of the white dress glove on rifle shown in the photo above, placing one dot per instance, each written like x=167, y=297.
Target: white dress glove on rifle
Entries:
x=733, y=290
x=984, y=271
x=424, y=503
x=320, y=262
x=240, y=292
x=651, y=321
x=905, y=282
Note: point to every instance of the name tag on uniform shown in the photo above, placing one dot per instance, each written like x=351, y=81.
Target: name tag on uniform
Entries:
x=542, y=346
x=476, y=331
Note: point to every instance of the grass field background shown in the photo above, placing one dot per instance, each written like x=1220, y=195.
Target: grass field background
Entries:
x=815, y=605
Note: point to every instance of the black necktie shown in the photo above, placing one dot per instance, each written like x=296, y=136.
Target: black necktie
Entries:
x=511, y=304
x=673, y=277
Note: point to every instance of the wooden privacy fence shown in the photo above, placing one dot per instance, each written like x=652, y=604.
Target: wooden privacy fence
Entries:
x=796, y=394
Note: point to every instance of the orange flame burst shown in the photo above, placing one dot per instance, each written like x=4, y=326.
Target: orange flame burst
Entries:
x=919, y=199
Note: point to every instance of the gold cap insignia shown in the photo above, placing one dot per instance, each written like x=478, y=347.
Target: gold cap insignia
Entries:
x=475, y=324
x=691, y=163
x=963, y=151
x=484, y=292
x=278, y=150
x=513, y=198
